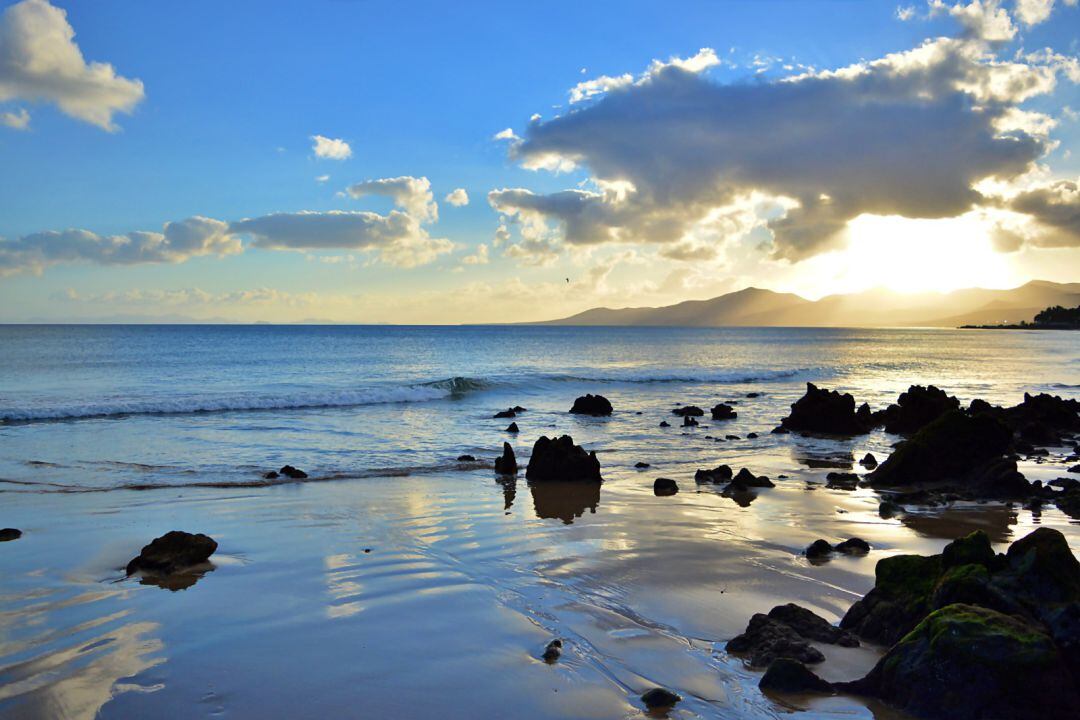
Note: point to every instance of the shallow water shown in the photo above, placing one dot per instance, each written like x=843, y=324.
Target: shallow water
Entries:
x=466, y=579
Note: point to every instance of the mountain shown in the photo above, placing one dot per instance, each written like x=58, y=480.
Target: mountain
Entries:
x=871, y=308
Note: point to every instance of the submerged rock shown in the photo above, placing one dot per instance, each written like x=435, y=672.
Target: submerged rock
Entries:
x=659, y=699
x=664, y=487
x=688, y=410
x=507, y=464
x=791, y=676
x=917, y=408
x=9, y=534
x=591, y=405
x=716, y=476
x=561, y=459
x=641, y=465
x=173, y=551
x=272, y=475
x=665, y=423
x=689, y=421
x=842, y=481
x=722, y=411
x=512, y=428
x=466, y=458
x=508, y=413
x=824, y=411
x=290, y=472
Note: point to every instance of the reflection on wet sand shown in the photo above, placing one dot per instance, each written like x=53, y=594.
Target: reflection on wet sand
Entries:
x=564, y=500
x=951, y=523
x=509, y=488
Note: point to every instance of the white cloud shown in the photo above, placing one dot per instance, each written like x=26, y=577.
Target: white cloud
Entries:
x=409, y=193
x=981, y=19
x=322, y=179
x=905, y=13
x=40, y=62
x=704, y=59
x=507, y=134
x=1033, y=12
x=16, y=119
x=480, y=257
x=458, y=197
x=330, y=148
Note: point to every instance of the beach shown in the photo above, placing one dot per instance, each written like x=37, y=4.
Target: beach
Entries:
x=399, y=581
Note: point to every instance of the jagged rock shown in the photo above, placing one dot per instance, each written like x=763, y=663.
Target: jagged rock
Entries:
x=766, y=639
x=466, y=458
x=512, y=428
x=716, y=476
x=641, y=465
x=722, y=411
x=173, y=551
x=842, y=481
x=689, y=421
x=659, y=699
x=853, y=546
x=688, y=410
x=917, y=408
x=508, y=413
x=9, y=534
x=290, y=472
x=561, y=459
x=507, y=464
x=664, y=487
x=964, y=662
x=824, y=411
x=748, y=479
x=869, y=461
x=791, y=676
x=591, y=405
x=819, y=549
x=552, y=651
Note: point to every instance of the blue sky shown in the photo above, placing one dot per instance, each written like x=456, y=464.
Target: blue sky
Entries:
x=234, y=92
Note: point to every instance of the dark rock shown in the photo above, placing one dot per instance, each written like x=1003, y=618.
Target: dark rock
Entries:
x=659, y=699
x=664, y=487
x=899, y=600
x=766, y=639
x=688, y=410
x=641, y=465
x=664, y=423
x=173, y=551
x=722, y=411
x=9, y=534
x=842, y=481
x=970, y=549
x=964, y=662
x=812, y=626
x=552, y=651
x=272, y=475
x=751, y=436
x=917, y=408
x=731, y=437
x=753, y=394
x=716, y=475
x=1068, y=501
x=779, y=430
x=869, y=461
x=824, y=411
x=290, y=472
x=853, y=546
x=748, y=479
x=689, y=421
x=561, y=459
x=791, y=676
x=507, y=464
x=508, y=413
x=1042, y=568
x=591, y=405
x=512, y=428
x=819, y=549
x=1075, y=469
x=519, y=409
x=466, y=458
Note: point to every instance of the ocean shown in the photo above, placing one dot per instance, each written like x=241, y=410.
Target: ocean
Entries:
x=398, y=581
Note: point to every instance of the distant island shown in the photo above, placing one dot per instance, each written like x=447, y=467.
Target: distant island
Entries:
x=1052, y=318
x=756, y=307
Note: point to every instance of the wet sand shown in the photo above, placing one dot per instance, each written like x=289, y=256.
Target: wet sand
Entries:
x=434, y=595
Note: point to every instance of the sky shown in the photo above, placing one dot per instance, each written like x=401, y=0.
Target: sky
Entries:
x=370, y=161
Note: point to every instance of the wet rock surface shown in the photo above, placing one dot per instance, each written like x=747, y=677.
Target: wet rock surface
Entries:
x=172, y=552
x=560, y=459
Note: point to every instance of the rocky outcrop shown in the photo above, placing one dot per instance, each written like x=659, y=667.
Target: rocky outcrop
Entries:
x=827, y=412
x=507, y=463
x=560, y=459
x=916, y=408
x=596, y=405
x=172, y=552
x=723, y=411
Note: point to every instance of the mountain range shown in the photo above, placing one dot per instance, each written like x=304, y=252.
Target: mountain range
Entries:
x=871, y=308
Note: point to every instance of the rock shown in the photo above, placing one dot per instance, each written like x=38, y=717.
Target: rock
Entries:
x=519, y=409
x=512, y=428
x=731, y=437
x=812, y=626
x=689, y=421
x=716, y=475
x=552, y=651
x=753, y=394
x=791, y=676
x=466, y=458
x=970, y=549
x=664, y=423
x=561, y=459
x=272, y=475
x=508, y=413
x=173, y=551
x=748, y=479
x=751, y=436
x=956, y=450
x=591, y=405
x=664, y=487
x=290, y=472
x=824, y=411
x=641, y=465
x=869, y=461
x=9, y=534
x=917, y=408
x=660, y=699
x=819, y=549
x=842, y=481
x=1075, y=469
x=688, y=410
x=1068, y=501
x=722, y=411
x=507, y=464
x=899, y=600
x=964, y=662
x=1042, y=568
x=853, y=546
x=766, y=639
x=779, y=430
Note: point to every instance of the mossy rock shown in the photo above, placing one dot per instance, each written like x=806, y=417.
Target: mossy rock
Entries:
x=900, y=599
x=1044, y=567
x=973, y=548
x=964, y=662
